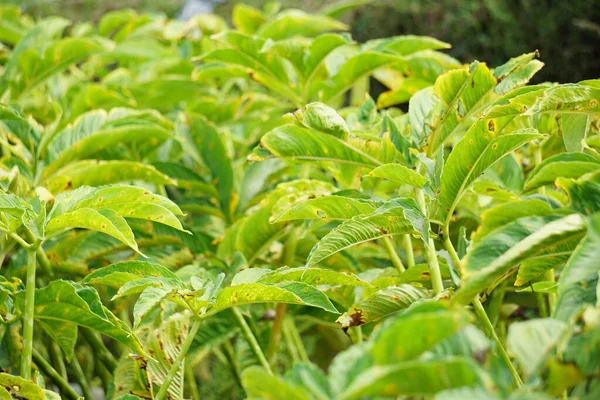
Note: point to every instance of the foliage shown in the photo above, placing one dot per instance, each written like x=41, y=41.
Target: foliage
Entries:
x=188, y=209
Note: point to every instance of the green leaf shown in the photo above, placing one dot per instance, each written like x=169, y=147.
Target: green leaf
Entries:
x=579, y=278
x=165, y=342
x=116, y=275
x=503, y=214
x=540, y=287
x=13, y=205
x=322, y=118
x=380, y=304
x=459, y=91
x=259, y=384
x=584, y=193
x=531, y=341
x=550, y=258
x=396, y=217
x=339, y=8
x=415, y=331
x=36, y=68
x=73, y=304
x=407, y=44
x=464, y=93
x=573, y=107
x=247, y=19
x=126, y=201
x=320, y=48
x=399, y=173
x=98, y=173
x=105, y=220
x=139, y=285
x=312, y=378
x=19, y=388
x=292, y=23
x=299, y=143
x=71, y=147
x=312, y=276
x=352, y=70
x=505, y=248
x=564, y=165
x=328, y=207
x=482, y=146
x=391, y=380
x=210, y=149
x=283, y=292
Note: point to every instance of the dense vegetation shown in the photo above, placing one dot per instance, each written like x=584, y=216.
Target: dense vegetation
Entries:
x=193, y=211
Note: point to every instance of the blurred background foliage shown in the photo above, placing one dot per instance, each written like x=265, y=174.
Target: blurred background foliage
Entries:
x=566, y=32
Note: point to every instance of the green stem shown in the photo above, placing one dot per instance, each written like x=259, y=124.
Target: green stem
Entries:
x=100, y=349
x=358, y=336
x=295, y=336
x=389, y=246
x=451, y=250
x=289, y=342
x=44, y=262
x=191, y=383
x=230, y=357
x=549, y=276
x=276, y=332
x=63, y=385
x=432, y=261
x=410, y=255
x=252, y=340
x=543, y=309
x=479, y=310
x=28, y=315
x=81, y=378
x=177, y=364
x=289, y=248
x=495, y=302
x=57, y=358
x=104, y=374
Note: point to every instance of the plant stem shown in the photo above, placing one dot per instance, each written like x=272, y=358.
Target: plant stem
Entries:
x=276, y=332
x=104, y=374
x=28, y=315
x=252, y=340
x=541, y=300
x=410, y=255
x=230, y=357
x=495, y=302
x=434, y=267
x=81, y=378
x=549, y=276
x=177, y=364
x=44, y=262
x=451, y=250
x=57, y=357
x=289, y=248
x=295, y=336
x=291, y=346
x=358, y=336
x=100, y=349
x=63, y=385
x=289, y=253
x=480, y=311
x=191, y=383
x=396, y=261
